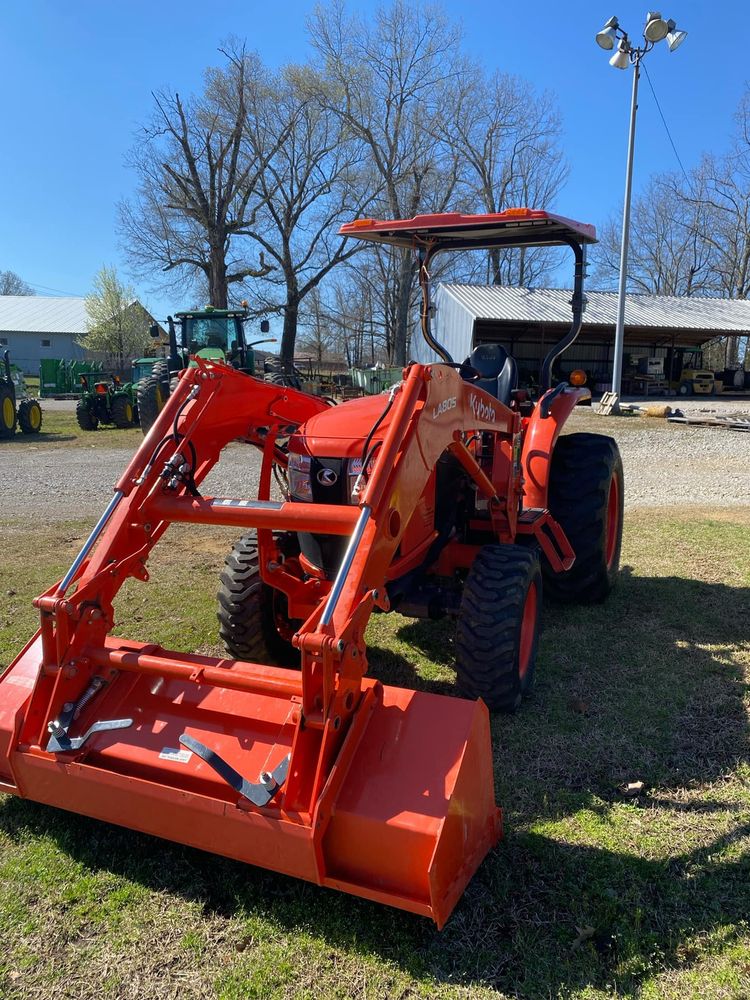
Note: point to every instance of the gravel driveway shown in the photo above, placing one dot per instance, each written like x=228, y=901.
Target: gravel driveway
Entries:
x=665, y=465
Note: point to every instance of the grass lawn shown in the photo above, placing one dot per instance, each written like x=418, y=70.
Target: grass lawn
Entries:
x=592, y=894
x=60, y=429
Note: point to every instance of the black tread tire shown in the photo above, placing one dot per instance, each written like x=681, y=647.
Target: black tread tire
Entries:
x=685, y=389
x=280, y=378
x=149, y=393
x=583, y=466
x=7, y=430
x=488, y=632
x=160, y=371
x=30, y=416
x=123, y=412
x=246, y=610
x=87, y=420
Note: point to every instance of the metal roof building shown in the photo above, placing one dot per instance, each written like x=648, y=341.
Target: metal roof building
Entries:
x=528, y=321
x=34, y=327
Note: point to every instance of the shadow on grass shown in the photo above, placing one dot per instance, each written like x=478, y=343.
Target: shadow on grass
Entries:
x=44, y=437
x=642, y=687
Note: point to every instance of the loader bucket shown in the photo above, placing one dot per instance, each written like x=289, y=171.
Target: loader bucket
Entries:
x=405, y=818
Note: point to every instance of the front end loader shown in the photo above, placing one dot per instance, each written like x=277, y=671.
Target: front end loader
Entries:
x=450, y=495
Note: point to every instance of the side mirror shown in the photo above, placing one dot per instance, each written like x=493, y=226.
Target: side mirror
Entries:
x=153, y=331
x=265, y=326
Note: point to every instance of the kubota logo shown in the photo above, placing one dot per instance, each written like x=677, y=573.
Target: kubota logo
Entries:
x=447, y=404
x=480, y=409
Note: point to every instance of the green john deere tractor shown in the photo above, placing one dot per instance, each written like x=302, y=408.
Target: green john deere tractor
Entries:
x=24, y=412
x=217, y=334
x=106, y=400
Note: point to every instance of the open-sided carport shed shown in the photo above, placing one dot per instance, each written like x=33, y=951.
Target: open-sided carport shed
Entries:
x=528, y=320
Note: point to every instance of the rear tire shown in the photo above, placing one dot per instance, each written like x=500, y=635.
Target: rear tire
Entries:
x=250, y=611
x=586, y=492
x=498, y=626
x=7, y=412
x=151, y=399
x=30, y=416
x=160, y=371
x=122, y=412
x=87, y=420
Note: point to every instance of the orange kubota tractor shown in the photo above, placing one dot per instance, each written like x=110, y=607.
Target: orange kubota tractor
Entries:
x=453, y=494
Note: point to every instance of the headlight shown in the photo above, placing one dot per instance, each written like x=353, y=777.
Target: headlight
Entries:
x=298, y=471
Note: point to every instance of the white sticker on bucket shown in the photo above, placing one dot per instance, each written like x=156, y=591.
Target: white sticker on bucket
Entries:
x=178, y=756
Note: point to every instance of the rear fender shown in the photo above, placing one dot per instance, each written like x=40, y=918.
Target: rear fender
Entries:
x=541, y=434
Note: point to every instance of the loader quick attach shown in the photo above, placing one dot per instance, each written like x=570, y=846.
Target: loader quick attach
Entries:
x=422, y=500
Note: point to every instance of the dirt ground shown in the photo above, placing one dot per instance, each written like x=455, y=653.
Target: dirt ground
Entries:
x=665, y=464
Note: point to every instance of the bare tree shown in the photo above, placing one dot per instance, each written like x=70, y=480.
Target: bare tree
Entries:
x=669, y=253
x=507, y=139
x=313, y=181
x=197, y=186
x=387, y=79
x=12, y=284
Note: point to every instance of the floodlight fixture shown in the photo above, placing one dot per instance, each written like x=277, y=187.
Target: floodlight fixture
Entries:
x=621, y=58
x=656, y=27
x=675, y=37
x=607, y=37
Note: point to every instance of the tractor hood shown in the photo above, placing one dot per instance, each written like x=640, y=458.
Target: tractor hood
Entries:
x=340, y=431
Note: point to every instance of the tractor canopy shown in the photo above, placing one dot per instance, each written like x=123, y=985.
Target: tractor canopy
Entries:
x=453, y=230
x=515, y=227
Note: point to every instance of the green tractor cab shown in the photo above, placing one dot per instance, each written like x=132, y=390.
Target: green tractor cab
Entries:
x=17, y=408
x=141, y=368
x=106, y=400
x=214, y=334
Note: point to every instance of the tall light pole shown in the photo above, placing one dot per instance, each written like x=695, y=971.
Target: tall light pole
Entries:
x=611, y=35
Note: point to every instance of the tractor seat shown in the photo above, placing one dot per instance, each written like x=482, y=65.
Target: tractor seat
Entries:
x=498, y=371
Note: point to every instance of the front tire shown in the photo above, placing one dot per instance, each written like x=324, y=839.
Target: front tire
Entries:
x=7, y=412
x=30, y=416
x=586, y=493
x=250, y=612
x=498, y=626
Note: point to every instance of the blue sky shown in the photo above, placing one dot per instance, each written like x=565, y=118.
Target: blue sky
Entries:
x=77, y=80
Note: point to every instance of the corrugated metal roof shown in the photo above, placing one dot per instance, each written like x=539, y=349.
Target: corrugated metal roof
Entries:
x=552, y=305
x=42, y=314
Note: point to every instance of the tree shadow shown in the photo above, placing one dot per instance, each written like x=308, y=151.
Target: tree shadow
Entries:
x=30, y=440
x=642, y=687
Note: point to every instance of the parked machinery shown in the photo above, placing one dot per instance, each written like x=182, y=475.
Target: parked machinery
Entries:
x=212, y=334
x=686, y=374
x=106, y=400
x=452, y=494
x=24, y=412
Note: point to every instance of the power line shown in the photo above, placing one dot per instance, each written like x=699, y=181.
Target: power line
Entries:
x=60, y=290
x=664, y=122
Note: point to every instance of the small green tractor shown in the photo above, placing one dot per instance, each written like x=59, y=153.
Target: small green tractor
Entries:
x=24, y=412
x=216, y=334
x=106, y=400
